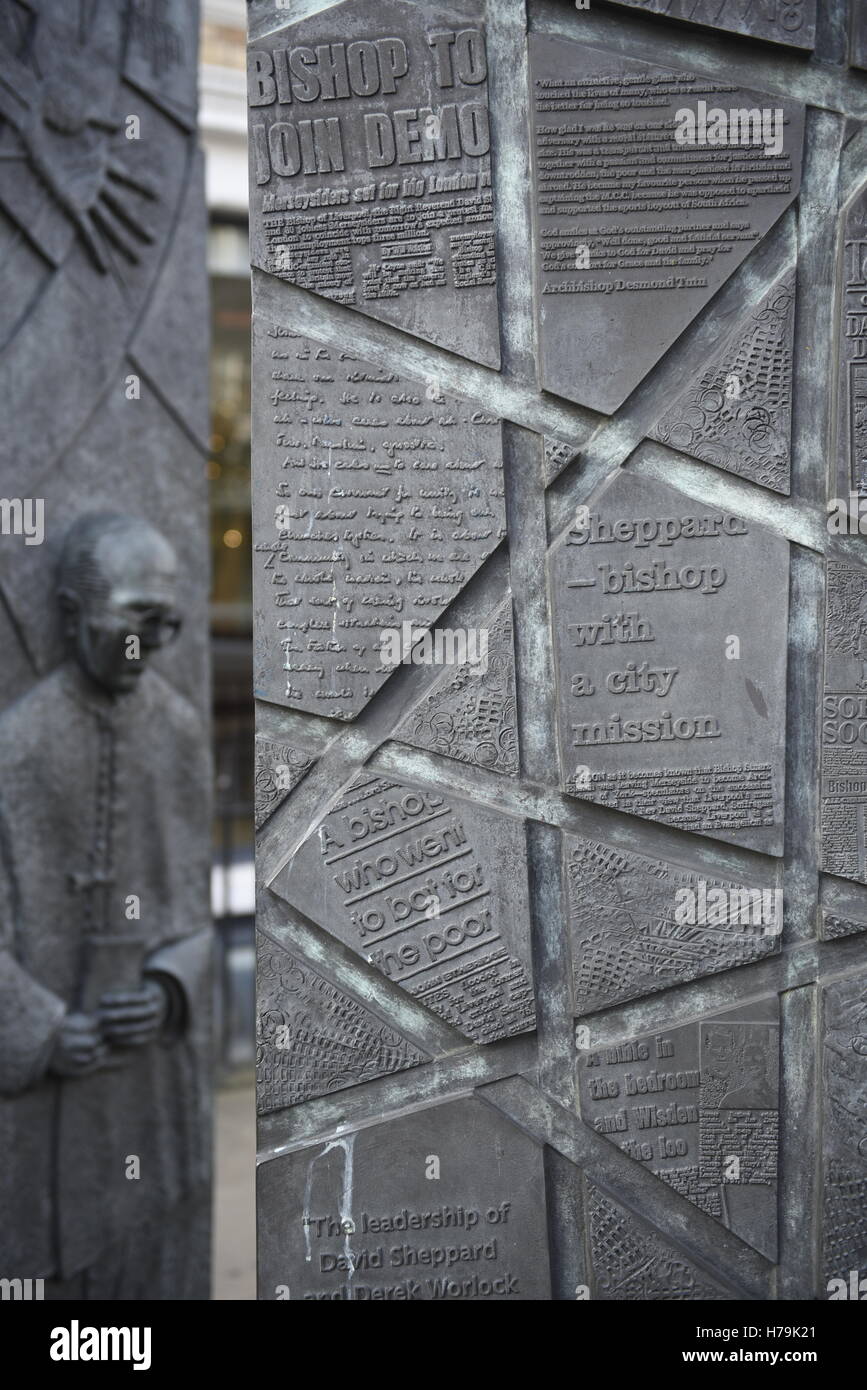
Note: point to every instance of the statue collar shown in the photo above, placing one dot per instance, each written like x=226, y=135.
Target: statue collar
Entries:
x=90, y=696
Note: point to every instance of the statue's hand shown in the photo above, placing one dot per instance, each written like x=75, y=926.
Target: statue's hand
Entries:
x=133, y=1017
x=79, y=1046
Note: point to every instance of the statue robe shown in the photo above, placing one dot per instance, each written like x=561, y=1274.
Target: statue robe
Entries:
x=103, y=800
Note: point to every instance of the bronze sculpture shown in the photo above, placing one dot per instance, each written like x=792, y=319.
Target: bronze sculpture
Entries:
x=104, y=944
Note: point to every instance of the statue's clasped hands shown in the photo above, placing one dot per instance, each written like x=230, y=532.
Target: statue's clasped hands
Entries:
x=125, y=1018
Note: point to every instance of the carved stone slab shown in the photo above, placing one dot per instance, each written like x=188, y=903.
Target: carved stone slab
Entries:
x=313, y=1038
x=632, y=1263
x=791, y=22
x=844, y=723
x=671, y=703
x=279, y=769
x=636, y=232
x=851, y=462
x=845, y=1129
x=471, y=714
x=370, y=169
x=737, y=414
x=639, y=925
x=376, y=500
x=697, y=1105
x=437, y=1205
x=432, y=891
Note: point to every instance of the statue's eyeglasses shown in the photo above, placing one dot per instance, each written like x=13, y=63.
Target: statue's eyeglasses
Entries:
x=150, y=624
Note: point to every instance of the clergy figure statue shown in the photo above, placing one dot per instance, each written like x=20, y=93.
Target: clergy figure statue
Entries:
x=105, y=944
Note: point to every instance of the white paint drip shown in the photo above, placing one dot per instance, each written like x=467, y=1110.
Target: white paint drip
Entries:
x=346, y=1219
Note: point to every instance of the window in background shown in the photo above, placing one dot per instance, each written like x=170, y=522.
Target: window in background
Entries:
x=229, y=462
x=231, y=622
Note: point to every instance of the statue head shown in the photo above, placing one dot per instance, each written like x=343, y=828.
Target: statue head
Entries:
x=116, y=588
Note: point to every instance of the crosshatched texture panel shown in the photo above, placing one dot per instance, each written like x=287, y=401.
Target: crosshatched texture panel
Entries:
x=370, y=167
x=833, y=925
x=639, y=925
x=635, y=231
x=671, y=705
x=432, y=892
x=737, y=414
x=439, y=1205
x=312, y=1037
x=471, y=714
x=558, y=455
x=279, y=768
x=376, y=500
x=631, y=1264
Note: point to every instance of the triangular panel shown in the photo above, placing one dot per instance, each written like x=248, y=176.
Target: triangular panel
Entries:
x=471, y=713
x=314, y=1038
x=737, y=413
x=639, y=925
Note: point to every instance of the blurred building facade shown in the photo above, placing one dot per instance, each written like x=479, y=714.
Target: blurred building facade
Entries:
x=223, y=134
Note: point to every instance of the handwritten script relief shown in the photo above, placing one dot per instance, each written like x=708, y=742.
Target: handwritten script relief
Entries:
x=671, y=705
x=636, y=232
x=377, y=498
